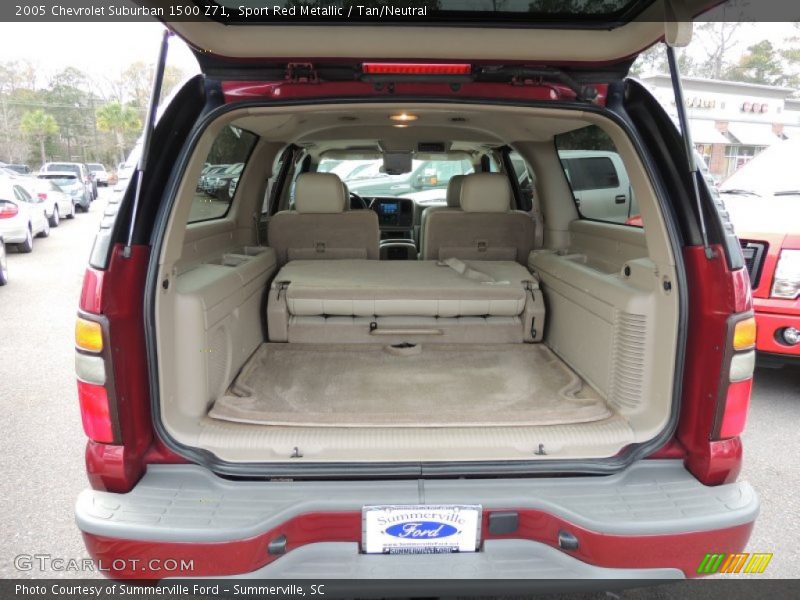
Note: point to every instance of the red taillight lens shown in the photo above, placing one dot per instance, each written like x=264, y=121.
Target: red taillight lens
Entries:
x=416, y=69
x=95, y=412
x=42, y=195
x=8, y=210
x=734, y=416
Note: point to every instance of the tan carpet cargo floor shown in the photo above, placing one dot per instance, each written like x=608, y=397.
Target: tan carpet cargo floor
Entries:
x=426, y=386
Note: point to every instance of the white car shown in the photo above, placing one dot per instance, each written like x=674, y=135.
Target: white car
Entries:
x=3, y=263
x=21, y=216
x=57, y=203
x=72, y=187
x=100, y=173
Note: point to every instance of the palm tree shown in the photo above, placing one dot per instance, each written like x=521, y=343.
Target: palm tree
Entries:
x=39, y=125
x=118, y=119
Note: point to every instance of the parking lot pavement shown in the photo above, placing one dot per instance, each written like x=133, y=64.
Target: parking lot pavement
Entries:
x=42, y=441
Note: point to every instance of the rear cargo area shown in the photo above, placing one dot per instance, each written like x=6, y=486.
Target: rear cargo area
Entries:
x=405, y=385
x=499, y=336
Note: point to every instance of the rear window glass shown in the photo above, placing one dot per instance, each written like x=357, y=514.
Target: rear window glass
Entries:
x=219, y=178
x=425, y=184
x=597, y=176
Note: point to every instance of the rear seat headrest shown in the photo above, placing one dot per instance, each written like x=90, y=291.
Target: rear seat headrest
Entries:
x=454, y=191
x=486, y=193
x=319, y=193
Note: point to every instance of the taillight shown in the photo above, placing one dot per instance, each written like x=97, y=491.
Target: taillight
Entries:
x=737, y=377
x=42, y=195
x=8, y=210
x=94, y=395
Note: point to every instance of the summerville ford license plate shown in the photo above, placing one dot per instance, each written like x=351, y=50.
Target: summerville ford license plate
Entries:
x=421, y=529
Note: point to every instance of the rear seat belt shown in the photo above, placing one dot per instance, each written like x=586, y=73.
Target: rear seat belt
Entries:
x=463, y=269
x=534, y=310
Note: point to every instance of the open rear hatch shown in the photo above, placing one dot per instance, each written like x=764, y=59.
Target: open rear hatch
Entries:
x=249, y=397
x=602, y=36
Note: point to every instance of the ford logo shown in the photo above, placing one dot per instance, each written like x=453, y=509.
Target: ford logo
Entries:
x=428, y=530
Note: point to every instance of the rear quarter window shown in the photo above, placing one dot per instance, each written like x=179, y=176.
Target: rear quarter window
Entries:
x=219, y=179
x=597, y=176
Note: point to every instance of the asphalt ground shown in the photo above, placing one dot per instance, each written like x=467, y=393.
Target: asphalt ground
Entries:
x=42, y=442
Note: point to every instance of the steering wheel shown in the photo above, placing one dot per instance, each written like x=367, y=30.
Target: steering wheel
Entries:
x=357, y=202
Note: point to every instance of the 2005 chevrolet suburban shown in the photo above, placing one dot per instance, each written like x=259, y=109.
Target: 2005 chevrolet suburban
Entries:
x=304, y=381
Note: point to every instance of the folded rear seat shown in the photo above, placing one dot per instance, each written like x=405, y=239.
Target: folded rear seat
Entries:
x=352, y=301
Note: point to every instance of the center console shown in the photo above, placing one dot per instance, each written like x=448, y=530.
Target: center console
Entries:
x=395, y=216
x=396, y=222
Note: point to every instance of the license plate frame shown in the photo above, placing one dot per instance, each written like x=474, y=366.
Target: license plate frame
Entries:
x=421, y=528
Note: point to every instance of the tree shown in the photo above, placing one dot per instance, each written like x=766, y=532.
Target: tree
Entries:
x=136, y=82
x=652, y=60
x=760, y=64
x=40, y=126
x=118, y=119
x=69, y=100
x=718, y=39
x=790, y=53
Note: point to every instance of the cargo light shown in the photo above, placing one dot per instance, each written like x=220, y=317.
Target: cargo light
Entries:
x=416, y=69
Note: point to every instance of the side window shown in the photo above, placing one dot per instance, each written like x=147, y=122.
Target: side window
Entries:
x=595, y=172
x=220, y=175
x=22, y=195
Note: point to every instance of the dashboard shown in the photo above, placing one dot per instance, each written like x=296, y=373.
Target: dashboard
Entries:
x=396, y=214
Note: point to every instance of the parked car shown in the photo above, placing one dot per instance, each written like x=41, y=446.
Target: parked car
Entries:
x=319, y=393
x=70, y=184
x=600, y=184
x=21, y=169
x=425, y=175
x=100, y=173
x=3, y=263
x=79, y=169
x=216, y=183
x=203, y=183
x=21, y=216
x=57, y=202
x=763, y=198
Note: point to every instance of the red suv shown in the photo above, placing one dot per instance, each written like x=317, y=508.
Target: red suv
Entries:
x=300, y=381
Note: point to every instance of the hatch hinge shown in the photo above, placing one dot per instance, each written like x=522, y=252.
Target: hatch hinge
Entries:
x=301, y=73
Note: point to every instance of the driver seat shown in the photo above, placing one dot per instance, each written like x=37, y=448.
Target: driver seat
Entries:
x=320, y=226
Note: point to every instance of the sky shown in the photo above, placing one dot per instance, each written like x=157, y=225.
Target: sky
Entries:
x=105, y=49
x=99, y=49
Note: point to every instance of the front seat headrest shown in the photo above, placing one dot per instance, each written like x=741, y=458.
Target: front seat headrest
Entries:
x=454, y=191
x=319, y=193
x=486, y=193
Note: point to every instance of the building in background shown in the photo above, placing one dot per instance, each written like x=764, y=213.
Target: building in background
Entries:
x=731, y=121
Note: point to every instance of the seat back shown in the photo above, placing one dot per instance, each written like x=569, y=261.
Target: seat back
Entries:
x=485, y=227
x=320, y=226
x=453, y=203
